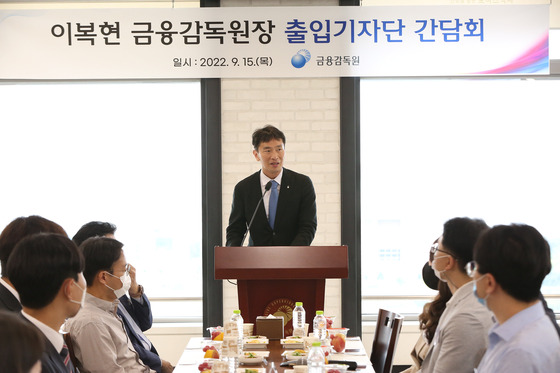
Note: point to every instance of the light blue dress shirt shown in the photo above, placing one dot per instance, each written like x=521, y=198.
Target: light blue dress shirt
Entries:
x=526, y=343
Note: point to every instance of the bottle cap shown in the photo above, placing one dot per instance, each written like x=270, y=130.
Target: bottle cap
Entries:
x=237, y=312
x=319, y=312
x=316, y=344
x=299, y=304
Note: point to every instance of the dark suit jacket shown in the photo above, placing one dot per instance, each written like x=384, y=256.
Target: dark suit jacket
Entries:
x=142, y=314
x=51, y=361
x=7, y=300
x=296, y=214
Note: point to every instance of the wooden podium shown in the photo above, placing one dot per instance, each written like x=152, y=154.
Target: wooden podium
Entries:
x=270, y=279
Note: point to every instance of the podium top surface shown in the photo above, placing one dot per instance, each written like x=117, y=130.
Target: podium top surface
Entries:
x=280, y=262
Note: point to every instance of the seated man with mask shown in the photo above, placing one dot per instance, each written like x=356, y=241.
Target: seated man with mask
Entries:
x=460, y=339
x=510, y=264
x=100, y=340
x=46, y=270
x=135, y=312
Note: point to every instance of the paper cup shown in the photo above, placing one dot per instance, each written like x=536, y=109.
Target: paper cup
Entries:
x=248, y=329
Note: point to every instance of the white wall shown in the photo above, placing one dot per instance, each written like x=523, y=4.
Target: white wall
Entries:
x=307, y=111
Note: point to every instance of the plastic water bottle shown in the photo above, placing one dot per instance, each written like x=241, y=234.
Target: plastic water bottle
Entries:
x=298, y=320
x=320, y=326
x=232, y=345
x=316, y=359
x=236, y=317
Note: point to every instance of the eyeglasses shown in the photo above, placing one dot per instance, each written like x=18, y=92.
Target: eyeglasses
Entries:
x=434, y=248
x=126, y=269
x=471, y=268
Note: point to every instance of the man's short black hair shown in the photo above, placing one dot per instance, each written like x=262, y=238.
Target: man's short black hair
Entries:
x=39, y=265
x=22, y=227
x=267, y=134
x=100, y=254
x=459, y=237
x=93, y=229
x=518, y=257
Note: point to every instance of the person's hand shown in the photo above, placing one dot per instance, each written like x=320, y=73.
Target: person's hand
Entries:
x=134, y=288
x=166, y=366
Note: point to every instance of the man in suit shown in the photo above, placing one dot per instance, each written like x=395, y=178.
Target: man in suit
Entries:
x=293, y=221
x=135, y=312
x=46, y=270
x=13, y=233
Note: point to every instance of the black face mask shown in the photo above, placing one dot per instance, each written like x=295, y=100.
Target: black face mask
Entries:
x=429, y=277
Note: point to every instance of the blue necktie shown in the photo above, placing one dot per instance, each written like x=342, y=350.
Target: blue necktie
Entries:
x=272, y=203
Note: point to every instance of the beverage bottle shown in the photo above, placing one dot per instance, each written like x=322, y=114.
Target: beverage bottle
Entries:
x=236, y=317
x=316, y=359
x=232, y=344
x=298, y=320
x=320, y=326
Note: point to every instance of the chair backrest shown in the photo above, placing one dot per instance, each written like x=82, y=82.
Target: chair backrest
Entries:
x=70, y=345
x=385, y=340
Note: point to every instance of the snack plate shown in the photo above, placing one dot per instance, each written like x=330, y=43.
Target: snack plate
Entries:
x=258, y=343
x=251, y=360
x=291, y=354
x=292, y=344
x=250, y=370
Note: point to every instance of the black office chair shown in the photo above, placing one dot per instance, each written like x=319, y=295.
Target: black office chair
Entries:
x=385, y=340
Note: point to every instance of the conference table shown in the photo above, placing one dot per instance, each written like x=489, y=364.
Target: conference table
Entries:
x=193, y=356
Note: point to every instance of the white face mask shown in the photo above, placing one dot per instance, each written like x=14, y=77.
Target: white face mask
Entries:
x=81, y=303
x=126, y=281
x=439, y=273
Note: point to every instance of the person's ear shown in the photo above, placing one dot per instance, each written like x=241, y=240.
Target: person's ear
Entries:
x=67, y=287
x=451, y=263
x=256, y=154
x=102, y=277
x=491, y=283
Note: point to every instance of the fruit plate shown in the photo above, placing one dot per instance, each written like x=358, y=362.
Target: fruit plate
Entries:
x=291, y=343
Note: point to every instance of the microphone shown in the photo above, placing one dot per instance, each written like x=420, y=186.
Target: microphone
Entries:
x=266, y=189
